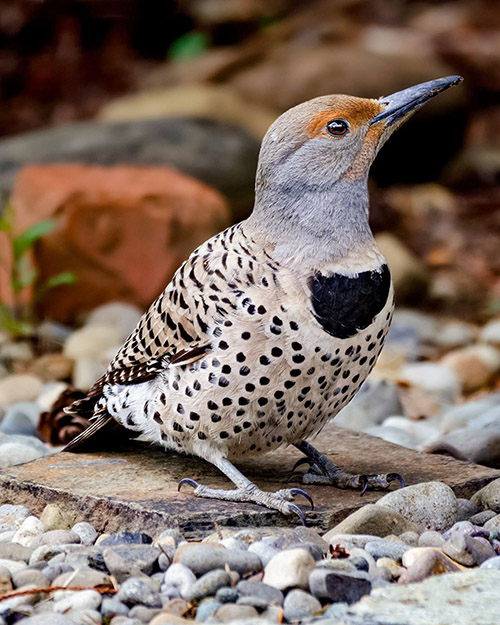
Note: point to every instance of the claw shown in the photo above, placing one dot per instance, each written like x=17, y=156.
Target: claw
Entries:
x=299, y=491
x=296, y=466
x=364, y=479
x=392, y=477
x=301, y=461
x=295, y=477
x=297, y=511
x=187, y=480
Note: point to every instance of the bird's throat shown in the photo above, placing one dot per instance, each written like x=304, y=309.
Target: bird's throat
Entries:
x=316, y=224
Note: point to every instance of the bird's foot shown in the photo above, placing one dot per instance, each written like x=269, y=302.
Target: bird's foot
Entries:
x=280, y=500
x=324, y=471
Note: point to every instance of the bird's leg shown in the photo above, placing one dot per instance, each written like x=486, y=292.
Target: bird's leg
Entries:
x=323, y=471
x=246, y=491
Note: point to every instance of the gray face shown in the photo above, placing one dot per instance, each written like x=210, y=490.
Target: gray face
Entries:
x=307, y=146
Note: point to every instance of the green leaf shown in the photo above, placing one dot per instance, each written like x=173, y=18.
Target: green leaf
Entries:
x=4, y=225
x=25, y=241
x=61, y=279
x=188, y=46
x=11, y=324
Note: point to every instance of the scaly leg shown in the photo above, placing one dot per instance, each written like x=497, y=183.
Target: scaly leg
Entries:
x=323, y=471
x=248, y=492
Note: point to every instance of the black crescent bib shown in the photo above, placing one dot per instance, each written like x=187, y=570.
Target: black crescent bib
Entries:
x=343, y=306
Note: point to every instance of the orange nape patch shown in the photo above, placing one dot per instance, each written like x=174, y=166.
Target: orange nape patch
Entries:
x=357, y=111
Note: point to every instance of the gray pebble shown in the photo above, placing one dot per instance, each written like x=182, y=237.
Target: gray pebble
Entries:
x=169, y=592
x=86, y=532
x=203, y=558
x=360, y=563
x=467, y=550
x=300, y=605
x=466, y=509
x=179, y=576
x=315, y=550
x=233, y=543
x=79, y=556
x=55, y=537
x=481, y=517
x=493, y=524
x=232, y=612
x=492, y=563
x=17, y=512
x=126, y=538
x=13, y=551
x=30, y=576
x=13, y=566
x=111, y=607
x=386, y=549
x=207, y=585
x=48, y=618
x=143, y=614
x=264, y=551
x=249, y=588
x=227, y=594
x=207, y=609
x=128, y=560
x=85, y=617
x=431, y=538
x=339, y=586
x=21, y=418
x=466, y=528
x=175, y=534
x=342, y=564
x=255, y=602
x=137, y=590
x=44, y=553
x=125, y=620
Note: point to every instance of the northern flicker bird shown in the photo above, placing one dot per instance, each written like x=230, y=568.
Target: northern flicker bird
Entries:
x=269, y=328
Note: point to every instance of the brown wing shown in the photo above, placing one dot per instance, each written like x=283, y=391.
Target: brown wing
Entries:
x=175, y=331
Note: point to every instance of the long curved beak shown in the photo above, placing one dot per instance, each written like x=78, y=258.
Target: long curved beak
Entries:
x=403, y=102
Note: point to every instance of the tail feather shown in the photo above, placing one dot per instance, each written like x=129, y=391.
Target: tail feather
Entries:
x=104, y=432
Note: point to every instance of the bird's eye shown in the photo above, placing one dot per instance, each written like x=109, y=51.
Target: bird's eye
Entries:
x=338, y=127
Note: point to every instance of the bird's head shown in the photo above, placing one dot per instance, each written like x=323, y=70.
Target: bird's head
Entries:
x=336, y=137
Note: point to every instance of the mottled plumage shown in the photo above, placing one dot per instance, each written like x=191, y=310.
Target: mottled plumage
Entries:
x=270, y=327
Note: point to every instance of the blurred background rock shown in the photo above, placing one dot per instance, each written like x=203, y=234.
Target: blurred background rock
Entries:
x=135, y=126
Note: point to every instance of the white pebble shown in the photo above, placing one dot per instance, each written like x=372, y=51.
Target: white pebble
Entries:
x=29, y=530
x=77, y=600
x=86, y=532
x=289, y=569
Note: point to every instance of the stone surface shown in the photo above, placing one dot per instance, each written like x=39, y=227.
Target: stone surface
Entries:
x=448, y=600
x=422, y=562
x=19, y=387
x=474, y=365
x=432, y=505
x=488, y=497
x=481, y=446
x=136, y=488
x=467, y=550
x=106, y=216
x=219, y=154
x=373, y=519
x=212, y=101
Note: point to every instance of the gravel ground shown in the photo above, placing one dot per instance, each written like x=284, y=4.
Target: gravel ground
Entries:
x=419, y=543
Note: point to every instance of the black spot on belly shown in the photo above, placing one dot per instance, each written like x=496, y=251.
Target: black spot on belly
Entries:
x=343, y=305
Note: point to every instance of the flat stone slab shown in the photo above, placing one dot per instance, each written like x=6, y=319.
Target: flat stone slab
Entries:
x=136, y=488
